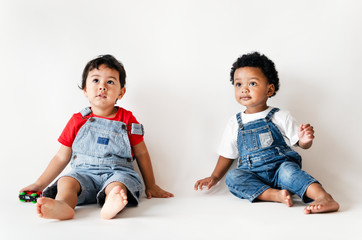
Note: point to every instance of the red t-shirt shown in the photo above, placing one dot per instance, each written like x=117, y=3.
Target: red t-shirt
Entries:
x=76, y=122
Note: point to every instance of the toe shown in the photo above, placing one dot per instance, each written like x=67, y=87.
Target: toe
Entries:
x=307, y=211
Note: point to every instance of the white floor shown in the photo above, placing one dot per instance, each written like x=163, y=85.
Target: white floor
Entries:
x=178, y=56
x=193, y=215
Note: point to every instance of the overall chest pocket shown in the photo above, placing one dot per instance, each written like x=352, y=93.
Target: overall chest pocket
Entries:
x=102, y=143
x=258, y=138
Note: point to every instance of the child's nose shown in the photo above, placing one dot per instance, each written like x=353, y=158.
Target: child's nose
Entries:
x=102, y=89
x=244, y=90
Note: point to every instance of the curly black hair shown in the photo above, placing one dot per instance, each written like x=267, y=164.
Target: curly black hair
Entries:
x=260, y=61
x=108, y=60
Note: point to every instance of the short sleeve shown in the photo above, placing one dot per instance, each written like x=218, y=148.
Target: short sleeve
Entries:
x=228, y=146
x=288, y=126
x=291, y=129
x=70, y=131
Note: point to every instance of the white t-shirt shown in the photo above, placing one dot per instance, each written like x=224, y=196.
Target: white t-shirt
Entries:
x=282, y=119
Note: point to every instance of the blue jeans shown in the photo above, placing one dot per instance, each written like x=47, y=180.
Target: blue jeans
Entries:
x=94, y=178
x=288, y=175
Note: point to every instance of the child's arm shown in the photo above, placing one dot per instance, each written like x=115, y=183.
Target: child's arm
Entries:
x=306, y=136
x=55, y=167
x=145, y=166
x=222, y=166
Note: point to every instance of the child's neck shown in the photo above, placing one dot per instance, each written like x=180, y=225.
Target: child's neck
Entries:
x=105, y=113
x=251, y=110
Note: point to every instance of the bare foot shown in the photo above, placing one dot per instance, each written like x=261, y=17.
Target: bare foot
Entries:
x=284, y=197
x=276, y=195
x=321, y=205
x=53, y=209
x=115, y=202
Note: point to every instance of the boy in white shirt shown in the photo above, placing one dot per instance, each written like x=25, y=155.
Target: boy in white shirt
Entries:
x=260, y=138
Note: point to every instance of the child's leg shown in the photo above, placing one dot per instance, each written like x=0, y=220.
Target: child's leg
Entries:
x=116, y=200
x=275, y=195
x=62, y=207
x=246, y=184
x=323, y=201
x=294, y=179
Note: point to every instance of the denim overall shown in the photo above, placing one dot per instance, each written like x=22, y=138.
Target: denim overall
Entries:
x=265, y=161
x=101, y=154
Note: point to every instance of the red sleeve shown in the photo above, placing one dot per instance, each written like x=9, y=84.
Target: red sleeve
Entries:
x=71, y=130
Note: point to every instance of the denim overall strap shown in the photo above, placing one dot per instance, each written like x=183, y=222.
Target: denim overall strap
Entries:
x=270, y=114
x=86, y=111
x=136, y=128
x=240, y=121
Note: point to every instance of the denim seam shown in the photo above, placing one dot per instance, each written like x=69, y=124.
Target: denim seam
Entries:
x=302, y=194
x=235, y=189
x=260, y=191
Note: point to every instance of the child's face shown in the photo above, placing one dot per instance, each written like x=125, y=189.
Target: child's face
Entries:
x=252, y=89
x=103, y=87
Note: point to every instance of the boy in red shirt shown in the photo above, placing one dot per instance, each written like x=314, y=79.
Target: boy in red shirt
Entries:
x=100, y=142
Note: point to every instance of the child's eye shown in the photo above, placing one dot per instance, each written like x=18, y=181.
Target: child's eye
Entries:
x=95, y=80
x=110, y=82
x=252, y=84
x=238, y=85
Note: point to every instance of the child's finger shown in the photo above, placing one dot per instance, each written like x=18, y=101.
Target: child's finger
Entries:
x=309, y=130
x=308, y=127
x=211, y=184
x=197, y=185
x=202, y=184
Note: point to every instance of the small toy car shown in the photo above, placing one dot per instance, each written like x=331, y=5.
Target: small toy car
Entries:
x=29, y=196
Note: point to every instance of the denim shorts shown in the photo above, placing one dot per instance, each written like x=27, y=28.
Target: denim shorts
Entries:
x=94, y=179
x=288, y=175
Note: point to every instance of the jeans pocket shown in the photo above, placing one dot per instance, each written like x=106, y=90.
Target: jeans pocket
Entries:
x=266, y=139
x=257, y=138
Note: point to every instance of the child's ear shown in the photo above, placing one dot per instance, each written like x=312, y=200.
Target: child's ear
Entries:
x=85, y=92
x=123, y=92
x=271, y=90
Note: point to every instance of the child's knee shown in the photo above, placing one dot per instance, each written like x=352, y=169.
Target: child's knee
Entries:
x=288, y=169
x=234, y=176
x=231, y=176
x=68, y=182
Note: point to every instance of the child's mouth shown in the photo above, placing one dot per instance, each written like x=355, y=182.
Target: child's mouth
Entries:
x=245, y=98
x=102, y=96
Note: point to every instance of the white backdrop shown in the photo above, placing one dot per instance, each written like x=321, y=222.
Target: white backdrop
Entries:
x=178, y=55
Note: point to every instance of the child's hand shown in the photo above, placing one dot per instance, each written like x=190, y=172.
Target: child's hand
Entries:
x=306, y=136
x=209, y=182
x=32, y=187
x=157, y=192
